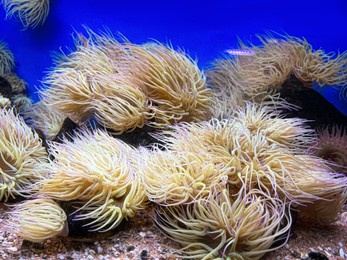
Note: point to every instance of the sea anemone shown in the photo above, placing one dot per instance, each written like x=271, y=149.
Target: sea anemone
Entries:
x=316, y=66
x=70, y=81
x=6, y=59
x=18, y=85
x=94, y=172
x=213, y=136
x=289, y=132
x=21, y=102
x=22, y=156
x=69, y=93
x=260, y=75
x=38, y=219
x=254, y=77
x=179, y=178
x=90, y=82
x=122, y=106
x=31, y=13
x=4, y=102
x=328, y=190
x=45, y=118
x=173, y=83
x=254, y=160
x=226, y=226
x=126, y=86
x=332, y=143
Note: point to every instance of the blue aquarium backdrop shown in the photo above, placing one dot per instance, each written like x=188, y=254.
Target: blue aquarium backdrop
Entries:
x=205, y=29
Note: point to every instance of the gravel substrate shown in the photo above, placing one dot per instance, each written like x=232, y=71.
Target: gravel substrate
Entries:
x=141, y=240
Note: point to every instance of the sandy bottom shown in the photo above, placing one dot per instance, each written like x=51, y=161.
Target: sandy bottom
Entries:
x=140, y=239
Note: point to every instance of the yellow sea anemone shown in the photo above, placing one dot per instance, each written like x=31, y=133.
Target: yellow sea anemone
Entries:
x=122, y=106
x=252, y=159
x=226, y=226
x=332, y=143
x=6, y=59
x=22, y=156
x=316, y=65
x=277, y=171
x=37, y=220
x=96, y=172
x=180, y=178
x=45, y=118
x=70, y=81
x=260, y=74
x=173, y=83
x=90, y=82
x=254, y=77
x=69, y=93
x=31, y=13
x=126, y=86
x=4, y=102
x=289, y=132
x=213, y=136
x=328, y=190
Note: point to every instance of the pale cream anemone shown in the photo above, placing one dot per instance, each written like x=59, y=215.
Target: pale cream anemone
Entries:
x=97, y=173
x=38, y=219
x=23, y=158
x=226, y=226
x=31, y=13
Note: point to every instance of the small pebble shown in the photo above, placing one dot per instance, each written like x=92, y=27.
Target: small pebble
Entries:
x=99, y=249
x=342, y=253
x=13, y=249
x=142, y=234
x=130, y=248
x=144, y=255
x=327, y=253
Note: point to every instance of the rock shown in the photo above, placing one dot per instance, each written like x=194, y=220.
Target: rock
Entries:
x=317, y=256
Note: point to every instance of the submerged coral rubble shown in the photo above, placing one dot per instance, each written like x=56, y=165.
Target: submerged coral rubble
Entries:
x=229, y=173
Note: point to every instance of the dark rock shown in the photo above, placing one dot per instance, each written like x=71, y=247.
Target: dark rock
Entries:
x=144, y=255
x=79, y=230
x=313, y=105
x=130, y=248
x=317, y=256
x=5, y=88
x=139, y=137
x=296, y=254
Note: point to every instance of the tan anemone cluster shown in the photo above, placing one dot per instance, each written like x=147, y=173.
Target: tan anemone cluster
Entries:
x=6, y=59
x=45, y=118
x=31, y=13
x=260, y=74
x=17, y=97
x=4, y=102
x=98, y=175
x=332, y=143
x=20, y=100
x=126, y=86
x=222, y=226
x=217, y=181
x=23, y=158
x=38, y=219
x=173, y=179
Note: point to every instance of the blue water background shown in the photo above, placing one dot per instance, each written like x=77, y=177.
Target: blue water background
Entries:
x=203, y=28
